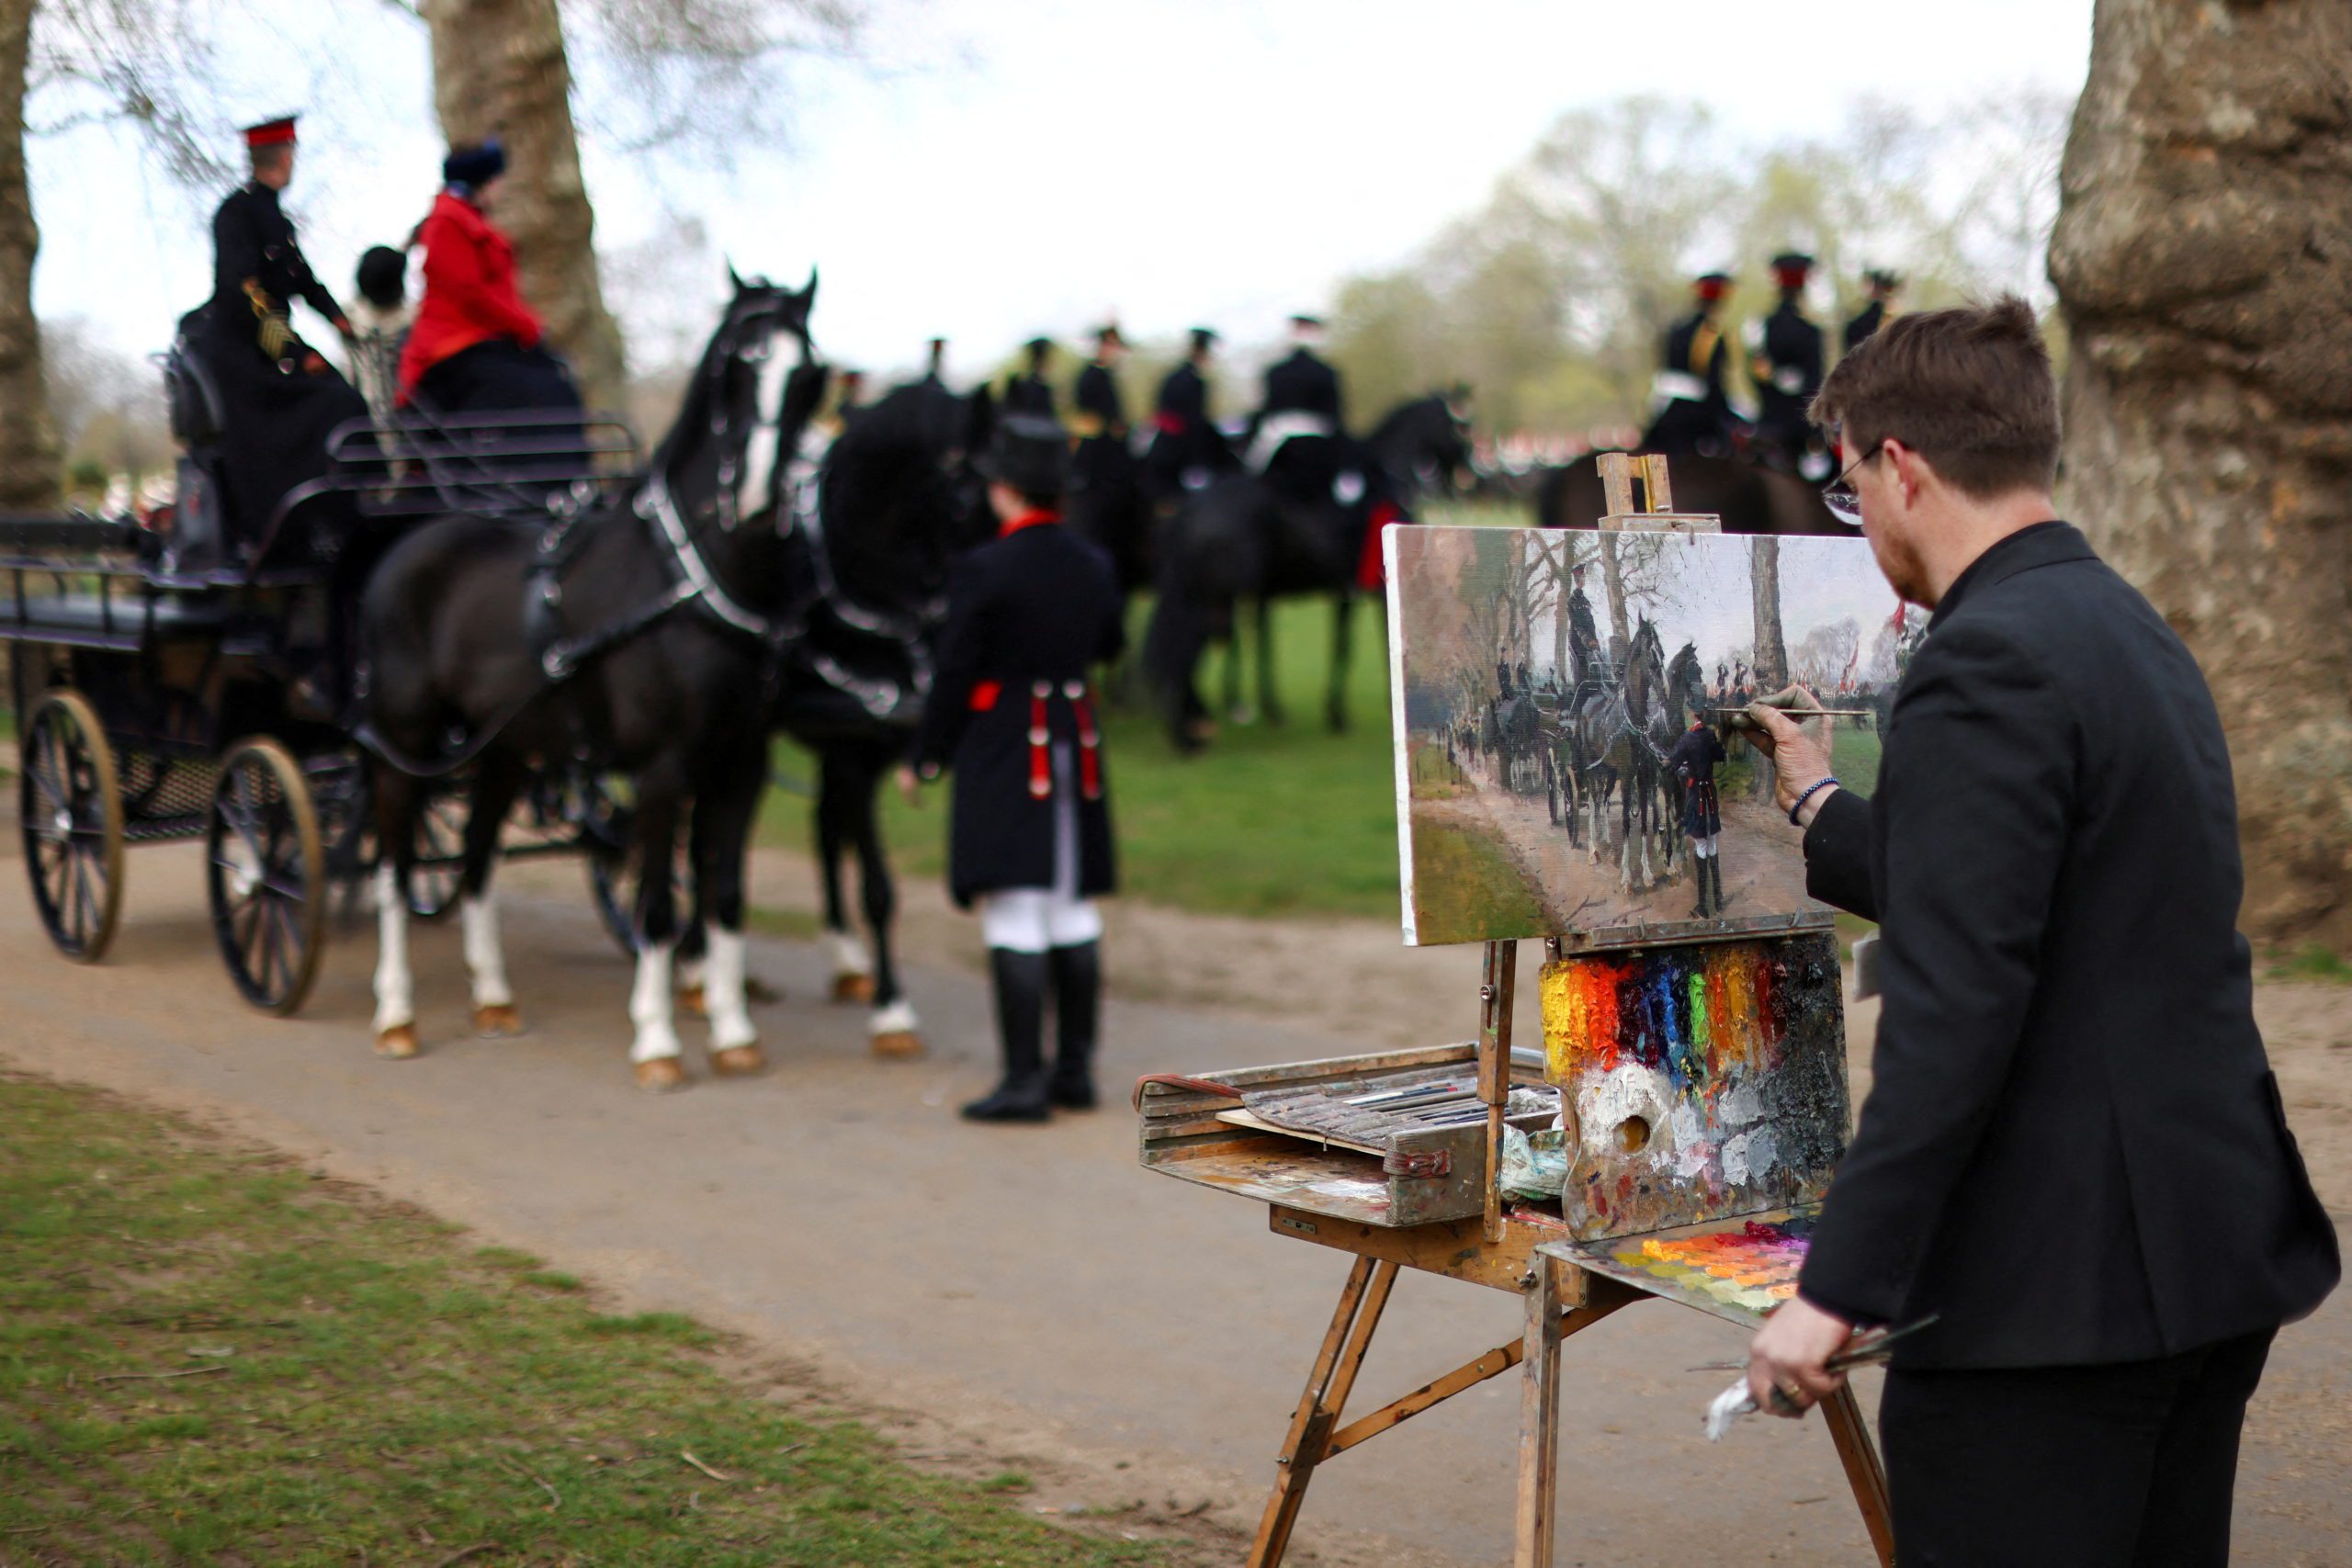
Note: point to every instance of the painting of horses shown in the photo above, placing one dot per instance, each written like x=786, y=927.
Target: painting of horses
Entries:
x=1566, y=761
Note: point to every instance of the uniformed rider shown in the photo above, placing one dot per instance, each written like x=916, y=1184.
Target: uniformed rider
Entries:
x=1301, y=398
x=1691, y=411
x=1029, y=389
x=1099, y=420
x=1584, y=632
x=1884, y=287
x=1012, y=713
x=283, y=398
x=1787, y=367
x=1185, y=443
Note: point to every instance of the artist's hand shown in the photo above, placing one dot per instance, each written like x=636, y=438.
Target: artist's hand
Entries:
x=1788, y=1354
x=1799, y=760
x=909, y=785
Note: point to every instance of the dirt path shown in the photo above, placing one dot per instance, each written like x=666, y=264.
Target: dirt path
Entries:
x=1026, y=1298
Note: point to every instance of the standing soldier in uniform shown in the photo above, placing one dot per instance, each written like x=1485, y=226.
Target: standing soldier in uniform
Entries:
x=1029, y=391
x=1693, y=413
x=1693, y=761
x=1011, y=712
x=283, y=396
x=1884, y=287
x=1184, y=443
x=1787, y=367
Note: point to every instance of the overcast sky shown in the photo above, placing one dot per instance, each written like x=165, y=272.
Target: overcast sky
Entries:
x=1004, y=167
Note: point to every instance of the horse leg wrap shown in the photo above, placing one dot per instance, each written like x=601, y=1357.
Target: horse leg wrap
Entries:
x=731, y=1016
x=395, y=986
x=649, y=1005
x=485, y=955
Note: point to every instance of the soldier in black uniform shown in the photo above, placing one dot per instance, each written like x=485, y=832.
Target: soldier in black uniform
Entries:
x=1883, y=285
x=1302, y=396
x=1691, y=403
x=1693, y=761
x=1584, y=632
x=1787, y=367
x=1028, y=392
x=283, y=398
x=1185, y=443
x=1011, y=712
x=1100, y=414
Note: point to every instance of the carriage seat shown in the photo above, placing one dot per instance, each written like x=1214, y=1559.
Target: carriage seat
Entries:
x=192, y=398
x=149, y=617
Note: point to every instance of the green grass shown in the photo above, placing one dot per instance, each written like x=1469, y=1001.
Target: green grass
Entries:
x=363, y=1387
x=2312, y=963
x=1463, y=882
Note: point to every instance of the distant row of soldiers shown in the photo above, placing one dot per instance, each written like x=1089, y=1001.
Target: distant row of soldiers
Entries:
x=1182, y=445
x=1692, y=408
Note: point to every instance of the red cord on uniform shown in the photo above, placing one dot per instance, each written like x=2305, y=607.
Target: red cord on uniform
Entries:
x=1090, y=753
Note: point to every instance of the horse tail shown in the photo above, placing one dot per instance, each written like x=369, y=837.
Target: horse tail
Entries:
x=1173, y=644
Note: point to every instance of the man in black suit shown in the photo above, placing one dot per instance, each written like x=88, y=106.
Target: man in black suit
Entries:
x=2074, y=1154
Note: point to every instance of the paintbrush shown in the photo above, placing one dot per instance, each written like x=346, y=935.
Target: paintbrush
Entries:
x=1868, y=1347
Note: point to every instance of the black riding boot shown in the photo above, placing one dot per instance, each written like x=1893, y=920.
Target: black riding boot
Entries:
x=1077, y=1005
x=1020, y=1030
x=1715, y=870
x=1698, y=864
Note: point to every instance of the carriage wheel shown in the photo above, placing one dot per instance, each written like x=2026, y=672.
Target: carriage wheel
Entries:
x=612, y=883
x=68, y=807
x=267, y=875
x=440, y=866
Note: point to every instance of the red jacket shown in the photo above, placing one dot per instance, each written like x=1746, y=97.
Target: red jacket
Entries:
x=469, y=294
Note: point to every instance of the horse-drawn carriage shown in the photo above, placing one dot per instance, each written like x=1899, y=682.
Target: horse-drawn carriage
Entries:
x=174, y=681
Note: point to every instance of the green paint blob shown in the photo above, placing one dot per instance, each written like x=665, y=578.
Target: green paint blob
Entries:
x=1699, y=1036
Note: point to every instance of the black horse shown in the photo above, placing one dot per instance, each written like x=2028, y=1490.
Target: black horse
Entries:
x=1748, y=497
x=1302, y=527
x=894, y=498
x=635, y=640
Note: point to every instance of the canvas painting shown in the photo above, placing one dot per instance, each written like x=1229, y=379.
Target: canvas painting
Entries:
x=1567, y=760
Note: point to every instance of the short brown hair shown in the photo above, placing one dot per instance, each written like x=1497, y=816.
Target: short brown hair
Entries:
x=1968, y=390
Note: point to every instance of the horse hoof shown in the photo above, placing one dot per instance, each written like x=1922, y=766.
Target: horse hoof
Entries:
x=661, y=1075
x=759, y=993
x=898, y=1044
x=397, y=1044
x=501, y=1022
x=858, y=989
x=738, y=1062
x=693, y=1003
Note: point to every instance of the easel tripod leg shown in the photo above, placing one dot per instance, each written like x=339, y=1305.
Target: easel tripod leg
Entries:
x=1843, y=1415
x=1362, y=1301
x=1539, y=1421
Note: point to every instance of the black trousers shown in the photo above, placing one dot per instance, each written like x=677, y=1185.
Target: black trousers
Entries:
x=2132, y=1465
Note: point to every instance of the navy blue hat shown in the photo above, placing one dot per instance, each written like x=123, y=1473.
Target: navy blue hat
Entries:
x=475, y=166
x=1031, y=453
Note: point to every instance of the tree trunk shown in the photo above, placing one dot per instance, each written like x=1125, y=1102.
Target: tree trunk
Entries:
x=1772, y=658
x=499, y=68
x=28, y=478
x=2203, y=259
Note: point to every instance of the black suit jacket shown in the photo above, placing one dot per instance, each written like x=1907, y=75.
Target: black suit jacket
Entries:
x=2073, y=1150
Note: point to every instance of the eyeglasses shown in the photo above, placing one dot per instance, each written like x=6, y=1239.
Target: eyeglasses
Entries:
x=1839, y=495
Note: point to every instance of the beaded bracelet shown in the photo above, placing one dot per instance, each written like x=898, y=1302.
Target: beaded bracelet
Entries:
x=1811, y=790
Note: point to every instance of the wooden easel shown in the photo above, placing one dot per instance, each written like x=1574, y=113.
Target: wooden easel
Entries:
x=1560, y=1300
x=1496, y=1249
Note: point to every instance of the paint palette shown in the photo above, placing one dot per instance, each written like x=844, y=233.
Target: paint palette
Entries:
x=1736, y=1271
x=1704, y=1082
